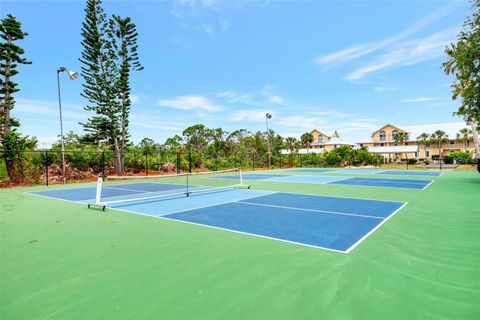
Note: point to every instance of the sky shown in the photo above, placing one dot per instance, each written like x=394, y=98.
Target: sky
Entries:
x=350, y=66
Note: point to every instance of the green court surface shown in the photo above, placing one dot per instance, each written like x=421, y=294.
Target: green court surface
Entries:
x=60, y=260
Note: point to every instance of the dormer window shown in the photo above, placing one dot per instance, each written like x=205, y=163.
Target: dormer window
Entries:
x=320, y=139
x=383, y=136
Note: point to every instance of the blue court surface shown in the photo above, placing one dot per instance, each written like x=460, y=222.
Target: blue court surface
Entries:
x=320, y=179
x=332, y=223
x=371, y=171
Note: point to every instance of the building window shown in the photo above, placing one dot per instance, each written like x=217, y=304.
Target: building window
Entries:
x=320, y=139
x=405, y=144
x=383, y=136
x=427, y=145
x=427, y=155
x=468, y=142
x=416, y=154
x=361, y=145
x=381, y=144
x=452, y=141
x=394, y=134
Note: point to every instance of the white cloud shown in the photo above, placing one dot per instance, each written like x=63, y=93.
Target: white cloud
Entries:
x=276, y=99
x=208, y=29
x=303, y=122
x=152, y=121
x=190, y=103
x=250, y=115
x=267, y=91
x=360, y=50
x=407, y=53
x=345, y=55
x=50, y=108
x=236, y=97
x=384, y=88
x=135, y=99
x=420, y=99
x=46, y=142
x=329, y=114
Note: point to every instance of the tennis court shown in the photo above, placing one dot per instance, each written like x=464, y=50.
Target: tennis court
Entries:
x=371, y=171
x=339, y=180
x=142, y=258
x=332, y=223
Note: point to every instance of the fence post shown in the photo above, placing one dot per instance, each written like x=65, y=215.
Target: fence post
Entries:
x=146, y=163
x=178, y=162
x=46, y=167
x=103, y=163
x=190, y=161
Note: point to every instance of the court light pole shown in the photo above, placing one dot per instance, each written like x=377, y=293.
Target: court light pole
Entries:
x=72, y=75
x=268, y=116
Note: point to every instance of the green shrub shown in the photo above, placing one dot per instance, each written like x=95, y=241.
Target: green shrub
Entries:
x=332, y=159
x=448, y=159
x=461, y=156
x=412, y=161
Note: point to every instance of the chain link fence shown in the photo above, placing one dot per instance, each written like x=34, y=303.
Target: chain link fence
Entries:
x=44, y=167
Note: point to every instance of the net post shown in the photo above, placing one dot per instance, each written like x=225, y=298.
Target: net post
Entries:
x=241, y=176
x=98, y=195
x=188, y=193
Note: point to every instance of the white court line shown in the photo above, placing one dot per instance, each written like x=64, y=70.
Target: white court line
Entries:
x=374, y=229
x=330, y=196
x=428, y=184
x=125, y=189
x=198, y=224
x=387, y=180
x=246, y=233
x=310, y=210
x=200, y=207
x=48, y=197
x=203, y=225
x=377, y=186
x=230, y=230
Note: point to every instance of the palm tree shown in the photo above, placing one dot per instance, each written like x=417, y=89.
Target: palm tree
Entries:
x=292, y=146
x=439, y=137
x=401, y=137
x=463, y=136
x=306, y=140
x=423, y=139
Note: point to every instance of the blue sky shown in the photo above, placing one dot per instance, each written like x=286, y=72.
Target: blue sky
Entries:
x=349, y=66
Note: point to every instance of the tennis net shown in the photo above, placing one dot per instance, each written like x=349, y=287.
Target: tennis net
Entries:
x=117, y=190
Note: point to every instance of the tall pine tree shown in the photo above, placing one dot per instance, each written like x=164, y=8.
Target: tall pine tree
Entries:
x=99, y=72
x=124, y=38
x=11, y=55
x=109, y=55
